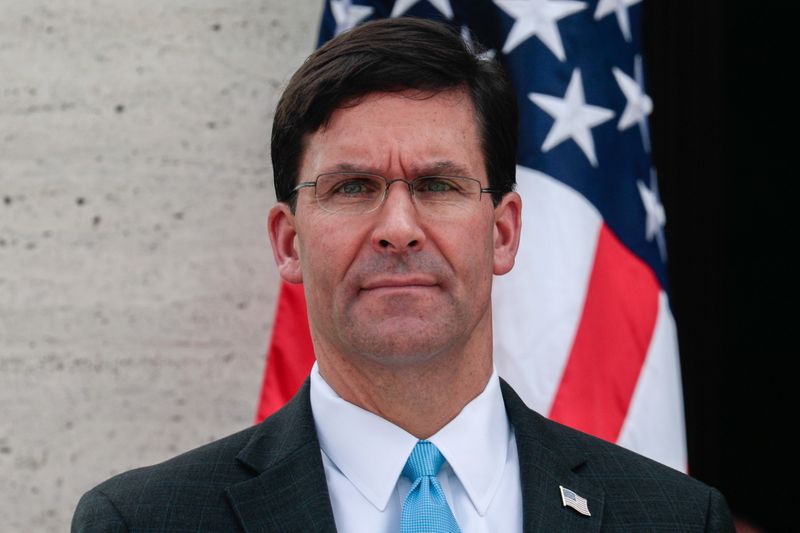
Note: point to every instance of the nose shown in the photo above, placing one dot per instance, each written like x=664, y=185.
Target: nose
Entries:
x=397, y=228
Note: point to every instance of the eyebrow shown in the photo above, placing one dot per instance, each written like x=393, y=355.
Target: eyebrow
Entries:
x=347, y=167
x=442, y=167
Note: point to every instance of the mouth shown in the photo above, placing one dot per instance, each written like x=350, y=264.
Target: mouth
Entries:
x=399, y=283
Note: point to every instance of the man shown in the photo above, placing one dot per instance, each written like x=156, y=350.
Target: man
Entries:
x=393, y=150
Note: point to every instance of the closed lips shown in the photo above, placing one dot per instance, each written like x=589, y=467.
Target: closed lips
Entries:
x=398, y=282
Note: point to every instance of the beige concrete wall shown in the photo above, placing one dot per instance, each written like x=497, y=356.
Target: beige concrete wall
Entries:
x=136, y=281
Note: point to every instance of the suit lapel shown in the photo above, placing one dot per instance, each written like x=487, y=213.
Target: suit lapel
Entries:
x=288, y=491
x=547, y=460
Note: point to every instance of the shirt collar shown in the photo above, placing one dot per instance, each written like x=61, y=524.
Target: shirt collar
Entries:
x=371, y=451
x=475, y=444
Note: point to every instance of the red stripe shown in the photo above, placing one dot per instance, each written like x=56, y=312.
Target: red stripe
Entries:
x=611, y=343
x=290, y=355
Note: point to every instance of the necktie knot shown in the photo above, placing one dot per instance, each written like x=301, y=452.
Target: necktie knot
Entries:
x=425, y=508
x=425, y=460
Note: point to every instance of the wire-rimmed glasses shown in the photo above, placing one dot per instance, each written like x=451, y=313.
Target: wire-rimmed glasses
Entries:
x=360, y=193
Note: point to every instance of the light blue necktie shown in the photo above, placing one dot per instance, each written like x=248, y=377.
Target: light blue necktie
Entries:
x=425, y=509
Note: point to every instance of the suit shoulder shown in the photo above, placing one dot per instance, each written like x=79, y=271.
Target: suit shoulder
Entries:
x=638, y=493
x=630, y=479
x=165, y=493
x=203, y=489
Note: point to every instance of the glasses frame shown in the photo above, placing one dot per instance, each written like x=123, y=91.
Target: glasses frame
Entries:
x=388, y=182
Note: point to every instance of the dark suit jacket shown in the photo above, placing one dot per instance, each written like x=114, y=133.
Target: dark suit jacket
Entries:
x=270, y=478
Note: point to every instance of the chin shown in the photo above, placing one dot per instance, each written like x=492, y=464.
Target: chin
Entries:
x=402, y=335
x=399, y=358
x=401, y=346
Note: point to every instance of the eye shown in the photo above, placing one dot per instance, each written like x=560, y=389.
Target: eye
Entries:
x=437, y=184
x=352, y=186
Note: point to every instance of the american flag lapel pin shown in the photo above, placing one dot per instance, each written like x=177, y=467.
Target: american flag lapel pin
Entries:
x=570, y=499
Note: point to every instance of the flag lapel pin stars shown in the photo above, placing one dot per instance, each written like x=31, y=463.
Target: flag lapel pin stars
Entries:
x=570, y=499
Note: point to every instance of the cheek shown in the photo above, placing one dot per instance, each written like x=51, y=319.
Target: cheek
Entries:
x=325, y=255
x=470, y=249
x=319, y=279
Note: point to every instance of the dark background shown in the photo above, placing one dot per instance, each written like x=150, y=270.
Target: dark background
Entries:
x=723, y=132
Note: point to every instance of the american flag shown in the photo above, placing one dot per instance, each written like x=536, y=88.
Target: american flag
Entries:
x=582, y=326
x=570, y=499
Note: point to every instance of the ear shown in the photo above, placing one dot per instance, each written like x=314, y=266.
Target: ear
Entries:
x=507, y=228
x=283, y=237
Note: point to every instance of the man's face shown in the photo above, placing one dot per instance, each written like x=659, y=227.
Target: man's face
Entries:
x=396, y=285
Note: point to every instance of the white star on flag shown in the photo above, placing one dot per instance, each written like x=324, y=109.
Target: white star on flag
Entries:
x=348, y=15
x=638, y=105
x=466, y=35
x=539, y=18
x=401, y=6
x=620, y=7
x=574, y=119
x=656, y=218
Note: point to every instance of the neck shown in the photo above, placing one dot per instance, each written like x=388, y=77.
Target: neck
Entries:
x=422, y=397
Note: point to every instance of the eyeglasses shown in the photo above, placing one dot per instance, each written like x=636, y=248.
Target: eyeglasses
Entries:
x=360, y=193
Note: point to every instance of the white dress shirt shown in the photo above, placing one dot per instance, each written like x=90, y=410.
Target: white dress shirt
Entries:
x=364, y=454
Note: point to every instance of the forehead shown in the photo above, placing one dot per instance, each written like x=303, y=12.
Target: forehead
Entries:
x=408, y=132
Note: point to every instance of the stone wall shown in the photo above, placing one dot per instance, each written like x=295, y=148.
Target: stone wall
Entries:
x=136, y=282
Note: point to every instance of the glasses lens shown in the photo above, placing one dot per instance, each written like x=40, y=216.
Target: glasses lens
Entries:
x=350, y=193
x=443, y=194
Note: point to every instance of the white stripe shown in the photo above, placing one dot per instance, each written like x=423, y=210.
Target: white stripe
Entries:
x=538, y=305
x=654, y=426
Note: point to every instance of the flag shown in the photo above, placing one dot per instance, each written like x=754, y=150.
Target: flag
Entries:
x=570, y=499
x=582, y=325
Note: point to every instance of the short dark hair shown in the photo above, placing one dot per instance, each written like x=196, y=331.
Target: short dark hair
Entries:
x=394, y=55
